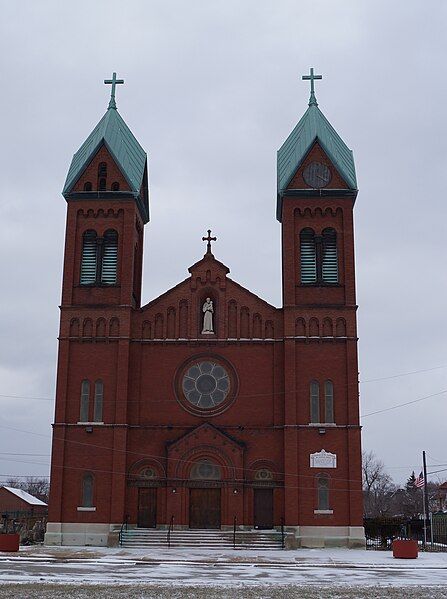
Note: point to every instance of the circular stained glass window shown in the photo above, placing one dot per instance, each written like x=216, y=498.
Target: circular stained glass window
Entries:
x=206, y=385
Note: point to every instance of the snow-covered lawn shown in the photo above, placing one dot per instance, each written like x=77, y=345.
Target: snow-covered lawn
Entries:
x=313, y=573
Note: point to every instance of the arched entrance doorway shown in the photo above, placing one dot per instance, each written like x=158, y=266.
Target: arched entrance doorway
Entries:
x=205, y=501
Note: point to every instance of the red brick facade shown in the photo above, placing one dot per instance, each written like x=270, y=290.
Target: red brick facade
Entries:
x=150, y=437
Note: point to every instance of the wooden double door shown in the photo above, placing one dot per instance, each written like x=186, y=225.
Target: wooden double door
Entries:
x=204, y=508
x=147, y=507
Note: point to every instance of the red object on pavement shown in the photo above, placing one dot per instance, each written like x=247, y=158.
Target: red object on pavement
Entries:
x=405, y=548
x=9, y=542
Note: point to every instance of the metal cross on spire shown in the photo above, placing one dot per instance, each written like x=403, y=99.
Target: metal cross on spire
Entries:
x=114, y=82
x=209, y=239
x=312, y=78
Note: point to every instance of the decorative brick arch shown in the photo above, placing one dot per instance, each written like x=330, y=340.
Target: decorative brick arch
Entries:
x=268, y=465
x=137, y=466
x=206, y=441
x=186, y=462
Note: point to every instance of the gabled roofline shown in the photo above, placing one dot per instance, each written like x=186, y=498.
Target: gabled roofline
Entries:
x=213, y=427
x=188, y=279
x=102, y=142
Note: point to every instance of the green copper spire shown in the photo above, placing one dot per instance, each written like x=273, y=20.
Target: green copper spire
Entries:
x=312, y=78
x=114, y=82
x=115, y=135
x=313, y=127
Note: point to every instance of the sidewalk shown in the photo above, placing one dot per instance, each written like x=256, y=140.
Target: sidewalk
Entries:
x=178, y=573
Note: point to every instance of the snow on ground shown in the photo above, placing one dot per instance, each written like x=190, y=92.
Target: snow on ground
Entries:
x=242, y=573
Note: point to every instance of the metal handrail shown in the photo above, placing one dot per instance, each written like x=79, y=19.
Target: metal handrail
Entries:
x=234, y=531
x=170, y=529
x=123, y=525
x=283, y=534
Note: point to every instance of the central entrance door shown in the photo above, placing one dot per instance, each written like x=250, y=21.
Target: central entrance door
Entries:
x=263, y=509
x=147, y=507
x=204, y=508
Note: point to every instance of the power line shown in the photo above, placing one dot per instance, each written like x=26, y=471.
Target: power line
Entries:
x=143, y=455
x=395, y=376
x=407, y=403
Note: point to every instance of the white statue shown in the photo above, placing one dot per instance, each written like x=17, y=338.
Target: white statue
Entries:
x=208, y=311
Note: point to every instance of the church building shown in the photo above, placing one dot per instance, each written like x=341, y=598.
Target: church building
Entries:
x=207, y=408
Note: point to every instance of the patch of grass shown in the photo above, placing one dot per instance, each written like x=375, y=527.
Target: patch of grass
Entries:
x=51, y=591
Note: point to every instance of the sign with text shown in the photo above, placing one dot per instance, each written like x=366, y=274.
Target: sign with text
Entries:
x=323, y=459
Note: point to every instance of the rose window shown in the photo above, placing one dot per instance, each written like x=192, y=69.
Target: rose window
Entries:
x=206, y=384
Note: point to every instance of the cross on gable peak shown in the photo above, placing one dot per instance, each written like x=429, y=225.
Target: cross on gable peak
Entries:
x=209, y=239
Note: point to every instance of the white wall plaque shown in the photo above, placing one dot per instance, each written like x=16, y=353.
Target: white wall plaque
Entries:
x=323, y=459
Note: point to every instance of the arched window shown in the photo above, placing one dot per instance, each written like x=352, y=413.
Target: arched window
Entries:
x=88, y=186
x=98, y=403
x=89, y=258
x=329, y=268
x=314, y=401
x=329, y=401
x=308, y=256
x=264, y=475
x=322, y=492
x=148, y=472
x=85, y=399
x=205, y=470
x=87, y=490
x=115, y=186
x=109, y=261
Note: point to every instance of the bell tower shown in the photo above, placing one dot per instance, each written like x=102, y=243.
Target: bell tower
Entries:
x=317, y=189
x=106, y=191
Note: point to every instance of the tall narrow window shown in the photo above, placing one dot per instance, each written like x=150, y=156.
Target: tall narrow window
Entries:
x=308, y=256
x=85, y=398
x=329, y=401
x=98, y=404
x=109, y=257
x=89, y=258
x=87, y=490
x=329, y=256
x=323, y=491
x=102, y=176
x=314, y=401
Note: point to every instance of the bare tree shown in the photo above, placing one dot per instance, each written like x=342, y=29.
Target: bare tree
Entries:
x=378, y=486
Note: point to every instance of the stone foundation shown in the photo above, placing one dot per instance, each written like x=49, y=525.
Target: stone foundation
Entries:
x=325, y=536
x=83, y=535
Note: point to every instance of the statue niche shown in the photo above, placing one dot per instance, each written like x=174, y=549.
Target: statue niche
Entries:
x=208, y=317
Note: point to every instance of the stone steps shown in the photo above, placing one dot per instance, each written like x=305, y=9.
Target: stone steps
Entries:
x=203, y=539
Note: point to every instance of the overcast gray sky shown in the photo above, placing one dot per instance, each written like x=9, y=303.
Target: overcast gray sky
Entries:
x=212, y=90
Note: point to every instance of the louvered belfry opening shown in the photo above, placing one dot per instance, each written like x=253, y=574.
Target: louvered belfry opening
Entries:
x=109, y=257
x=99, y=261
x=308, y=256
x=89, y=258
x=319, y=257
x=330, y=258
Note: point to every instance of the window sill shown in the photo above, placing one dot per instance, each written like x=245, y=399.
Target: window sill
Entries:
x=100, y=285
x=321, y=512
x=90, y=423
x=86, y=509
x=320, y=284
x=322, y=424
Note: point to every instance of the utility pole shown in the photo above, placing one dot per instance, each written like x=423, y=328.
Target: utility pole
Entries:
x=426, y=505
